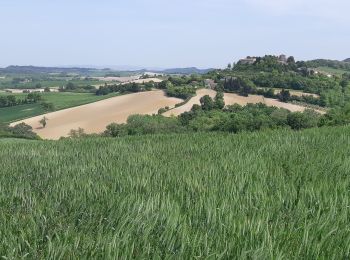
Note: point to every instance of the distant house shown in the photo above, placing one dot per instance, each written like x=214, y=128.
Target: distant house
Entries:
x=248, y=60
x=282, y=59
x=209, y=83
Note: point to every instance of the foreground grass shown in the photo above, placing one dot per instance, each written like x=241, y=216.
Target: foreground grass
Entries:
x=61, y=100
x=264, y=195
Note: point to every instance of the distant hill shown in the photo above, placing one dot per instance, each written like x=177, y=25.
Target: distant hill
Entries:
x=191, y=70
x=334, y=64
x=182, y=71
x=347, y=60
x=38, y=70
x=87, y=71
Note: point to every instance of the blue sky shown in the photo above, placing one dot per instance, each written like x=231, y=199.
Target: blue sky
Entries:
x=177, y=33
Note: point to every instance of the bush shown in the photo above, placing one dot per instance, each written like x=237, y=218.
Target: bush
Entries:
x=21, y=130
x=181, y=92
x=299, y=120
x=48, y=106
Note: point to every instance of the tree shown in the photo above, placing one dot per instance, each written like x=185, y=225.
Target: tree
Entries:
x=207, y=103
x=114, y=130
x=34, y=97
x=291, y=60
x=70, y=86
x=162, y=110
x=77, y=133
x=162, y=85
x=229, y=66
x=219, y=100
x=47, y=89
x=135, y=87
x=12, y=101
x=43, y=121
x=20, y=131
x=196, y=108
x=284, y=96
x=48, y=106
x=299, y=120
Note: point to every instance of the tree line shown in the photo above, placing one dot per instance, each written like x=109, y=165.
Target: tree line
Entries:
x=11, y=100
x=125, y=88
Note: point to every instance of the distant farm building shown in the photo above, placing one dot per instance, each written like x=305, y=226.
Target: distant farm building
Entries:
x=209, y=83
x=282, y=59
x=247, y=61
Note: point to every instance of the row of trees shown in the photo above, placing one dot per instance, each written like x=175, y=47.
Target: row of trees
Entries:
x=252, y=117
x=11, y=100
x=182, y=87
x=125, y=88
x=184, y=92
x=71, y=87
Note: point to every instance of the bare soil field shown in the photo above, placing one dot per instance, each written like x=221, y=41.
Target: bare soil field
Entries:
x=231, y=99
x=94, y=117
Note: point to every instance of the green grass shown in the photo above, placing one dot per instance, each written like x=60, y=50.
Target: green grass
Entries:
x=332, y=71
x=60, y=100
x=267, y=195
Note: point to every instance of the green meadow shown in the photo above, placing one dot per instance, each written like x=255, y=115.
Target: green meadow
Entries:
x=60, y=100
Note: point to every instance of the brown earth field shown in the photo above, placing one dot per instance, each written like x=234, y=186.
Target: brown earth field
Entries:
x=94, y=117
x=231, y=99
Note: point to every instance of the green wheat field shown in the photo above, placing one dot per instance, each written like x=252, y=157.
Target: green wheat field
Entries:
x=267, y=195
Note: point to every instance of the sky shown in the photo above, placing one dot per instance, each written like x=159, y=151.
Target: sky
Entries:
x=166, y=34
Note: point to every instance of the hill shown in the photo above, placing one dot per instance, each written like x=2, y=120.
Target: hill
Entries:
x=275, y=194
x=335, y=64
x=45, y=70
x=93, y=71
x=192, y=70
x=347, y=60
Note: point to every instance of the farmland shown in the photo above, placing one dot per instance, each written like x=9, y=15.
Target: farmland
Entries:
x=94, y=117
x=230, y=99
x=60, y=100
x=266, y=195
x=8, y=83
